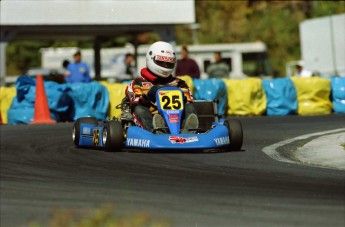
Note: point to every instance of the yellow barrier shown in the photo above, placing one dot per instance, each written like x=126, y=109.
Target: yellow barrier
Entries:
x=116, y=94
x=313, y=95
x=189, y=81
x=245, y=97
x=6, y=96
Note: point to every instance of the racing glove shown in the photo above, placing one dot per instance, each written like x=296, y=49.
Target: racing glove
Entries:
x=152, y=93
x=144, y=99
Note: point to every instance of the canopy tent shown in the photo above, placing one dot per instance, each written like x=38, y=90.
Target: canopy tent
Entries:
x=92, y=19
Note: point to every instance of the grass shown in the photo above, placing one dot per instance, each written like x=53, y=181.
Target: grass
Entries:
x=101, y=217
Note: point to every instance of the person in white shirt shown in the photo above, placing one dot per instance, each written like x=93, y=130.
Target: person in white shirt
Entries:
x=301, y=72
x=125, y=69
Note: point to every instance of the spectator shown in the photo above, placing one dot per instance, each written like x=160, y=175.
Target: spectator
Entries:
x=218, y=69
x=78, y=71
x=186, y=65
x=126, y=69
x=301, y=72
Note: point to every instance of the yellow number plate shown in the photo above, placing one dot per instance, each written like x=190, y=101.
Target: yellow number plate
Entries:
x=170, y=99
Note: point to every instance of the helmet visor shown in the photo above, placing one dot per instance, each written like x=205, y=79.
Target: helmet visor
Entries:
x=165, y=62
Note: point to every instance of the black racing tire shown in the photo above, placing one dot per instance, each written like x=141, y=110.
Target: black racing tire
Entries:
x=235, y=134
x=113, y=137
x=76, y=127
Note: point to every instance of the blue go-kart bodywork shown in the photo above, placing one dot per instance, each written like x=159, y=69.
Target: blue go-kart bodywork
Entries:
x=123, y=133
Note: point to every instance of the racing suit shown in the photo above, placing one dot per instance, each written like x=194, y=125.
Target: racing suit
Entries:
x=141, y=94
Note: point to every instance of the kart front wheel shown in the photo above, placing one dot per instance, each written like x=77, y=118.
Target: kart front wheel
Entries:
x=76, y=127
x=113, y=136
x=235, y=134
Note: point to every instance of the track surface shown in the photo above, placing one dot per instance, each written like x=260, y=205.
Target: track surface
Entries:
x=42, y=170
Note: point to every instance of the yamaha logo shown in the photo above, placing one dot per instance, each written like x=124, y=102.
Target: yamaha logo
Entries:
x=138, y=142
x=222, y=140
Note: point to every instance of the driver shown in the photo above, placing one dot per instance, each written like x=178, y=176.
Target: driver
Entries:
x=160, y=62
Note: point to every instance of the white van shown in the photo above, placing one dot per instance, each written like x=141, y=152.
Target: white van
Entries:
x=244, y=59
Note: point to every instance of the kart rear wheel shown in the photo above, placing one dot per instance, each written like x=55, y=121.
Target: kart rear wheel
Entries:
x=235, y=134
x=113, y=136
x=76, y=127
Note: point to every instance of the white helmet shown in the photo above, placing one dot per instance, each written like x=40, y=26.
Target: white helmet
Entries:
x=161, y=59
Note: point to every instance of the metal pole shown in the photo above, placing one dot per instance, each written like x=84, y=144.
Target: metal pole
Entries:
x=333, y=47
x=135, y=45
x=3, y=46
x=195, y=30
x=5, y=38
x=97, y=57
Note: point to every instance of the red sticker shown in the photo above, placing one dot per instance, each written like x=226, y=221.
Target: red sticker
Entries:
x=165, y=59
x=181, y=140
x=177, y=139
x=173, y=118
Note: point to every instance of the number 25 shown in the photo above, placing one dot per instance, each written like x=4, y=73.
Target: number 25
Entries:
x=176, y=103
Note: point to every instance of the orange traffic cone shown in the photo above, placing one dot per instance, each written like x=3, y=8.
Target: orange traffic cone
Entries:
x=42, y=113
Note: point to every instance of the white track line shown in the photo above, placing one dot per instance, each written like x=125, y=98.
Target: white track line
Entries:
x=273, y=153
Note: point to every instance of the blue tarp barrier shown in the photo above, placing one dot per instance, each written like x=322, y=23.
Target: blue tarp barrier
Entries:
x=22, y=107
x=66, y=102
x=89, y=99
x=281, y=96
x=338, y=94
x=211, y=89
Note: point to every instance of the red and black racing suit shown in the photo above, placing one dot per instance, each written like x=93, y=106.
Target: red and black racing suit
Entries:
x=141, y=94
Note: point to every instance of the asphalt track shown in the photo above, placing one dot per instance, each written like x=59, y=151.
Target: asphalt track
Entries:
x=42, y=170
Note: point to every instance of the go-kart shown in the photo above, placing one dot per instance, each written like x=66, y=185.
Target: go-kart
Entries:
x=123, y=133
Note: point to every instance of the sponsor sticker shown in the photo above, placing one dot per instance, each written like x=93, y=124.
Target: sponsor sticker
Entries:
x=222, y=140
x=134, y=142
x=86, y=131
x=173, y=118
x=165, y=58
x=181, y=140
x=172, y=111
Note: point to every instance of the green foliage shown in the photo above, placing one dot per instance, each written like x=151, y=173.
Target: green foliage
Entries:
x=22, y=55
x=275, y=23
x=278, y=27
x=325, y=8
x=72, y=43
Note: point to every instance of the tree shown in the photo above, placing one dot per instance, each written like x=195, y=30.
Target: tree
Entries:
x=275, y=23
